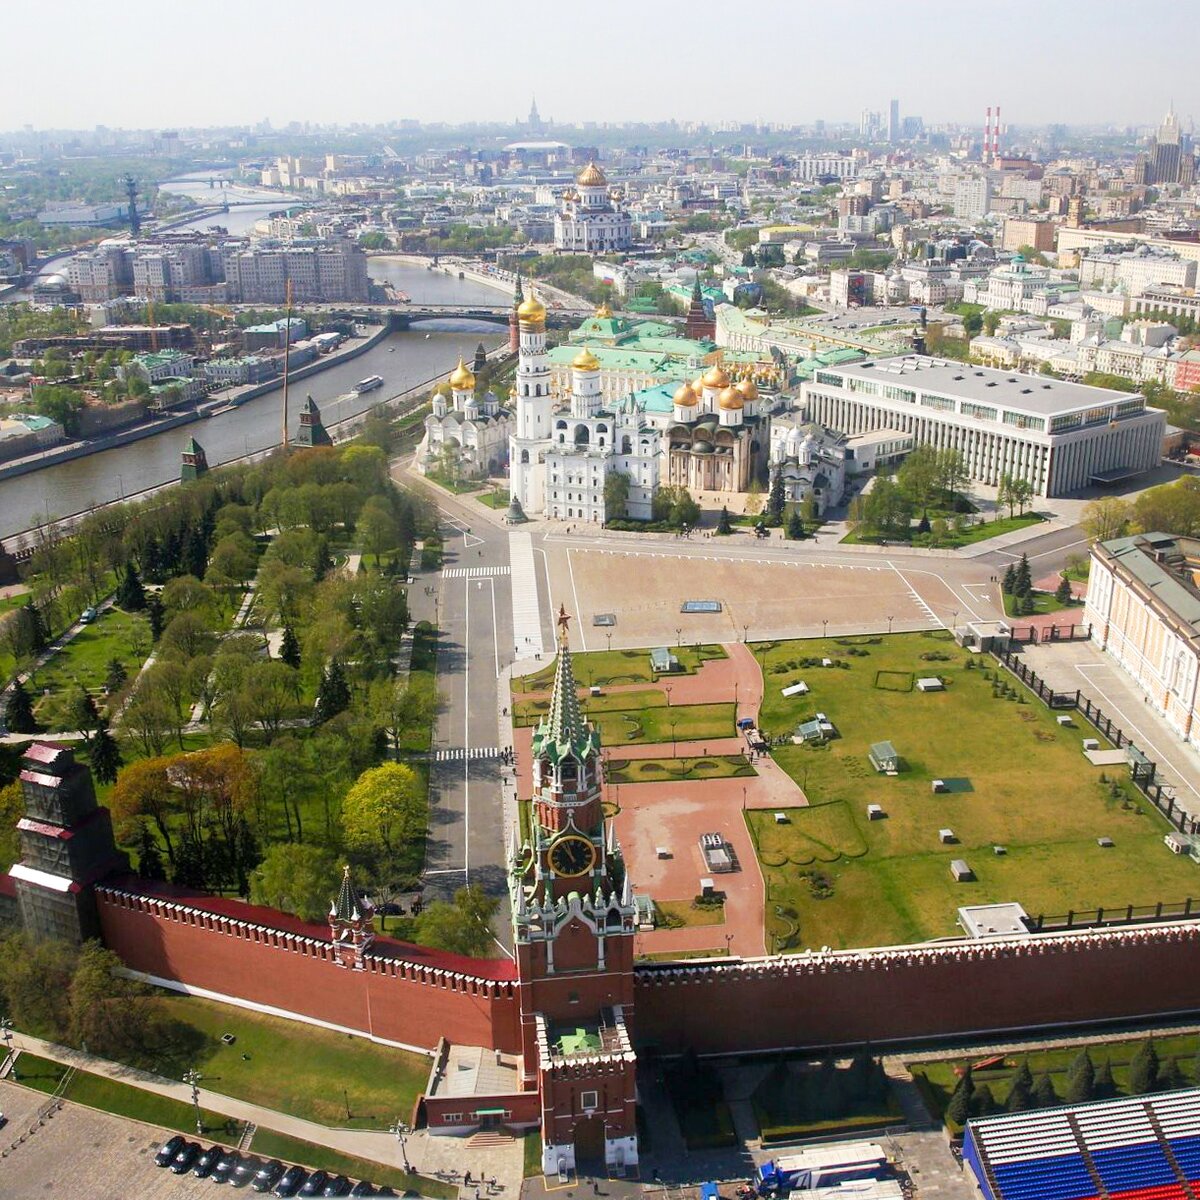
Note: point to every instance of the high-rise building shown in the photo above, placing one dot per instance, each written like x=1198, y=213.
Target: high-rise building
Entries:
x=1171, y=156
x=893, y=122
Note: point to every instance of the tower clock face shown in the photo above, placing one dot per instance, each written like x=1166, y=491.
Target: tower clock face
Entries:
x=572, y=856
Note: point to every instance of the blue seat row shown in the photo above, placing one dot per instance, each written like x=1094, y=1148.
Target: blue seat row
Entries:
x=1124, y=1167
x=1064, y=1177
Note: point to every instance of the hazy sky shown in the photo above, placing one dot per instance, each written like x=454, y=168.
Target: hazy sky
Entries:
x=143, y=64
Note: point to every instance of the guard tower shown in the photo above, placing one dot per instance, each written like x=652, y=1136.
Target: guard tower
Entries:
x=193, y=462
x=351, y=923
x=311, y=432
x=67, y=845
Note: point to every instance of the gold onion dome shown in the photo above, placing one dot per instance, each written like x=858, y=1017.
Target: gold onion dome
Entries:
x=604, y=312
x=585, y=360
x=716, y=377
x=698, y=385
x=685, y=397
x=591, y=176
x=531, y=311
x=730, y=398
x=748, y=388
x=461, y=378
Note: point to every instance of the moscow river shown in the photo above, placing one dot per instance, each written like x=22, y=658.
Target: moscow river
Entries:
x=403, y=359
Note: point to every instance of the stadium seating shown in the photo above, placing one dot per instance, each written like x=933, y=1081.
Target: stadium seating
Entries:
x=1061, y=1178
x=1167, y=1191
x=1122, y=1167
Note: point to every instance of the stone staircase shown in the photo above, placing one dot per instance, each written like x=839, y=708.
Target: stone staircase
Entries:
x=489, y=1137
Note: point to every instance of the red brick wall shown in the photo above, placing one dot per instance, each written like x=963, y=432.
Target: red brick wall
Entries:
x=389, y=1000
x=918, y=993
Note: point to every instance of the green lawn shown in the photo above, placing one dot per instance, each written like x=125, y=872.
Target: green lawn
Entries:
x=297, y=1068
x=497, y=499
x=84, y=659
x=660, y=770
x=978, y=532
x=1016, y=779
x=531, y=1152
x=269, y=1144
x=1043, y=602
x=680, y=914
x=624, y=718
x=598, y=668
x=125, y=1100
x=939, y=1074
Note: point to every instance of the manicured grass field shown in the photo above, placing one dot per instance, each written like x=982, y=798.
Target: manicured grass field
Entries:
x=979, y=532
x=85, y=658
x=299, y=1069
x=940, y=1075
x=269, y=1144
x=599, y=668
x=625, y=718
x=123, y=1099
x=1043, y=602
x=681, y=914
x=1016, y=779
x=497, y=499
x=661, y=770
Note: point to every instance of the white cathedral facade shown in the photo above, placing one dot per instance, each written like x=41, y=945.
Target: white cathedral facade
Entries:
x=592, y=218
x=560, y=457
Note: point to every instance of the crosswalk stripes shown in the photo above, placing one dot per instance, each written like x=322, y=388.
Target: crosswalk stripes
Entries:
x=465, y=754
x=473, y=572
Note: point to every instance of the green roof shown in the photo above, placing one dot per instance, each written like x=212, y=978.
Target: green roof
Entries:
x=613, y=357
x=563, y=732
x=659, y=398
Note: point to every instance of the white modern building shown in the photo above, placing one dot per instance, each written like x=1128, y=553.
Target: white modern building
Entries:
x=1144, y=609
x=561, y=455
x=592, y=218
x=972, y=197
x=1058, y=435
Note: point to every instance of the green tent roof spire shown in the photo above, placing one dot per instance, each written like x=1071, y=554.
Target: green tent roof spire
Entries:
x=563, y=730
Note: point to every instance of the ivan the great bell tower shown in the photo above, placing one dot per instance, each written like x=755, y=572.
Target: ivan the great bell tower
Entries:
x=573, y=925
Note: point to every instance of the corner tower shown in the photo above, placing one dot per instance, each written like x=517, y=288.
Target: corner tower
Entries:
x=574, y=920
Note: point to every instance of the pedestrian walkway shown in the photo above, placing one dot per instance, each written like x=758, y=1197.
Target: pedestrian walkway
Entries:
x=473, y=572
x=527, y=607
x=462, y=754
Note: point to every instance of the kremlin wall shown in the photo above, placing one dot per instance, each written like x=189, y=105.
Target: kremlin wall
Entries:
x=411, y=996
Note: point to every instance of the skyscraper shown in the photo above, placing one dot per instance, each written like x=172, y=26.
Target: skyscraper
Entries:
x=893, y=123
x=1171, y=159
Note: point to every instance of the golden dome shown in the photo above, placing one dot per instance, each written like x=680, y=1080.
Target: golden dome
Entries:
x=730, y=398
x=604, y=312
x=591, y=176
x=716, y=377
x=531, y=311
x=512, y=391
x=685, y=397
x=461, y=378
x=748, y=388
x=698, y=384
x=585, y=360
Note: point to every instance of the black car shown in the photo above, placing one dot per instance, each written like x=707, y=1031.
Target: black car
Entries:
x=362, y=1188
x=339, y=1185
x=384, y=1191
x=226, y=1165
x=267, y=1176
x=291, y=1181
x=245, y=1171
x=315, y=1185
x=206, y=1161
x=187, y=1154
x=168, y=1150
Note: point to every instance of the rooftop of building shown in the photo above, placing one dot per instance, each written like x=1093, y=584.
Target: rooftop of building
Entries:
x=1036, y=394
x=1166, y=566
x=474, y=1071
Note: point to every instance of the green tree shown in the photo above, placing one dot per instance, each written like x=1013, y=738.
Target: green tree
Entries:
x=1023, y=584
x=333, y=694
x=149, y=857
x=1062, y=593
x=463, y=927
x=385, y=807
x=376, y=527
x=1172, y=508
x=1081, y=1079
x=685, y=512
x=724, y=525
x=1008, y=583
x=12, y=809
x=983, y=1103
x=131, y=596
x=919, y=476
x=959, y=1108
x=104, y=755
x=795, y=526
x=1106, y=1087
x=972, y=324
x=886, y=511
x=289, y=647
x=616, y=495
x=18, y=715
x=155, y=614
x=115, y=674
x=1143, y=1070
x=1105, y=518
x=1044, y=1095
x=295, y=878
x=776, y=499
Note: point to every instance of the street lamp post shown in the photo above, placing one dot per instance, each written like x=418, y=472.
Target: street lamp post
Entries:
x=609, y=636
x=729, y=945
x=668, y=691
x=672, y=738
x=824, y=627
x=745, y=633
x=401, y=1131
x=6, y=1030
x=890, y=620
x=678, y=637
x=953, y=621
x=192, y=1079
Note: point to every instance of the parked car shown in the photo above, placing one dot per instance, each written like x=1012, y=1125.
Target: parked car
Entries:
x=207, y=1161
x=267, y=1176
x=184, y=1158
x=245, y=1171
x=168, y=1150
x=291, y=1181
x=315, y=1185
x=3, y=1120
x=362, y=1188
x=87, y=616
x=339, y=1185
x=225, y=1167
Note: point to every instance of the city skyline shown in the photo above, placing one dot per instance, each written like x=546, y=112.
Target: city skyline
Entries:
x=385, y=64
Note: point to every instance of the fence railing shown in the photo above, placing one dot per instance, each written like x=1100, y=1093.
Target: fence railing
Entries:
x=1050, y=633
x=1131, y=914
x=1142, y=769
